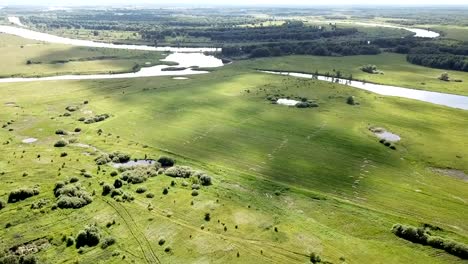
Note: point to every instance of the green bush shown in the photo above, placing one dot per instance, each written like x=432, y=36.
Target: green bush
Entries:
x=315, y=258
x=194, y=193
x=71, y=196
x=73, y=202
x=21, y=194
x=71, y=108
x=351, y=100
x=70, y=241
x=421, y=236
x=149, y=195
x=117, y=183
x=88, y=237
x=106, y=189
x=114, y=173
x=77, y=130
x=2, y=204
x=141, y=190
x=166, y=161
x=179, y=171
x=205, y=180
x=61, y=143
x=369, y=68
x=107, y=242
x=61, y=132
x=74, y=179
x=165, y=191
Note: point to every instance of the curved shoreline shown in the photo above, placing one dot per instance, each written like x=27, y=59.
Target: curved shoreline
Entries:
x=449, y=100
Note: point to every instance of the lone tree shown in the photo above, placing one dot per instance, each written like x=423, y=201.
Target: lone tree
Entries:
x=444, y=77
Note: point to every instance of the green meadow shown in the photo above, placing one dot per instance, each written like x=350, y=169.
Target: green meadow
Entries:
x=287, y=182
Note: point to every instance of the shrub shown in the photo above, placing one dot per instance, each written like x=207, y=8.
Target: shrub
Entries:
x=116, y=192
x=141, y=190
x=2, y=204
x=77, y=130
x=117, y=183
x=194, y=193
x=73, y=202
x=103, y=159
x=161, y=241
x=351, y=100
x=88, y=237
x=61, y=132
x=195, y=187
x=369, y=68
x=106, y=189
x=421, y=236
x=81, y=119
x=107, y=242
x=179, y=171
x=135, y=179
x=70, y=241
x=63, y=154
x=61, y=143
x=149, y=195
x=315, y=258
x=71, y=196
x=444, y=77
x=166, y=161
x=205, y=180
x=119, y=157
x=74, y=179
x=207, y=217
x=165, y=191
x=71, y=108
x=114, y=173
x=21, y=194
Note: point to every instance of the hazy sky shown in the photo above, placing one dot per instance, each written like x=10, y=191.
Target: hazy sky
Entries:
x=231, y=2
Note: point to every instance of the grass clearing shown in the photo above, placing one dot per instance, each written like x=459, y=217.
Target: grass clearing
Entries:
x=287, y=182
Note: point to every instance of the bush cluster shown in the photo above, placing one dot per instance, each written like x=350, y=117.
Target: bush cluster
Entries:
x=139, y=174
x=179, y=171
x=369, y=69
x=166, y=161
x=88, y=237
x=116, y=157
x=71, y=108
x=61, y=143
x=71, y=196
x=21, y=194
x=96, y=119
x=422, y=236
x=107, y=242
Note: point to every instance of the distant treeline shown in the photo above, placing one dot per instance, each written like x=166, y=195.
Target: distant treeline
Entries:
x=427, y=53
x=430, y=53
x=294, y=30
x=319, y=48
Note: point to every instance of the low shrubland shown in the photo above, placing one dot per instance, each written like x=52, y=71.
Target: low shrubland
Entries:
x=71, y=196
x=423, y=236
x=22, y=194
x=90, y=236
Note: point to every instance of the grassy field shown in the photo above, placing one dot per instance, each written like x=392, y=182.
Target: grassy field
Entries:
x=56, y=59
x=396, y=70
x=287, y=182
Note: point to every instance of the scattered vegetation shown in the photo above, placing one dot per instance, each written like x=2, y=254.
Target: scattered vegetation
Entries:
x=22, y=194
x=423, y=236
x=89, y=236
x=71, y=196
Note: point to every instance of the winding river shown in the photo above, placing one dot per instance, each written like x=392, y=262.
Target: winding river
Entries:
x=191, y=58
x=450, y=100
